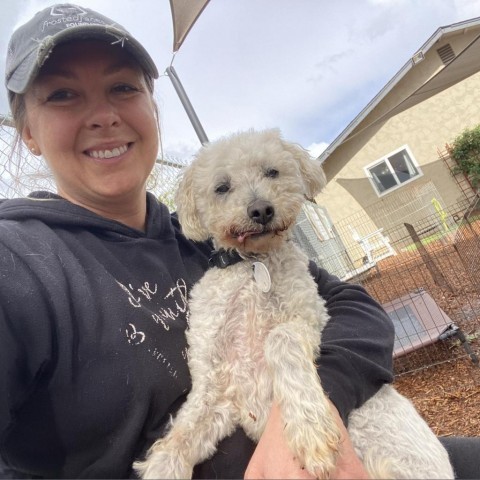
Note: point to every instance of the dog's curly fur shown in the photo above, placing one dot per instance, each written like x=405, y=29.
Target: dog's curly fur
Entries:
x=248, y=347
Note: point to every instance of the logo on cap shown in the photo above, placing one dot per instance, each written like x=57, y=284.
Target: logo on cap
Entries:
x=67, y=10
x=70, y=16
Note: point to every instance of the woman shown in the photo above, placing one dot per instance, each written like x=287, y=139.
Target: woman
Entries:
x=95, y=278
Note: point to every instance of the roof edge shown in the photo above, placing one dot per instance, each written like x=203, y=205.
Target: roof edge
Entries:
x=439, y=33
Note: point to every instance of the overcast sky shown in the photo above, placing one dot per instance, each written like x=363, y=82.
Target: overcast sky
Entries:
x=305, y=66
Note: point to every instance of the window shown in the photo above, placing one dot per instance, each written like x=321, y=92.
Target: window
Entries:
x=319, y=221
x=392, y=171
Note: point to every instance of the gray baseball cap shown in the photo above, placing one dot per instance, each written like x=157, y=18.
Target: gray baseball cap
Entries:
x=32, y=43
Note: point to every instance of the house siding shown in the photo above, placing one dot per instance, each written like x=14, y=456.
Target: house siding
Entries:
x=425, y=128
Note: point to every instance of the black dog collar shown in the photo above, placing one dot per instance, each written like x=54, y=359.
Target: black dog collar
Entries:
x=223, y=258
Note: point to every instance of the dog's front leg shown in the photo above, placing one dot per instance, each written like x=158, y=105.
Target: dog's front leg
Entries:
x=202, y=421
x=310, y=429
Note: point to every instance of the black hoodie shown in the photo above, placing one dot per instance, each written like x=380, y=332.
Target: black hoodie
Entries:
x=92, y=345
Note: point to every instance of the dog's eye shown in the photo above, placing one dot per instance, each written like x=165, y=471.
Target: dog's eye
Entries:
x=222, y=188
x=271, y=173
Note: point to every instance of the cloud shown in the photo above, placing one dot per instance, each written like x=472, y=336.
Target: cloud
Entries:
x=467, y=8
x=316, y=149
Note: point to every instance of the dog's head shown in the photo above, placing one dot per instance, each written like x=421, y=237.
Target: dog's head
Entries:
x=245, y=191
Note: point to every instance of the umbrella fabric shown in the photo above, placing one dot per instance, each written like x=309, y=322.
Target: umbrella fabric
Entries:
x=184, y=15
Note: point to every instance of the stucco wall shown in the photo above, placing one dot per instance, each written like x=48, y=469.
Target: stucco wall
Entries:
x=425, y=128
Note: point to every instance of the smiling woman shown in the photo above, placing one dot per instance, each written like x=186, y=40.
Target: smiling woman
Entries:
x=90, y=113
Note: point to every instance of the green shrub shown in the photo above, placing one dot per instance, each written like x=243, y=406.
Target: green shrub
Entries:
x=466, y=152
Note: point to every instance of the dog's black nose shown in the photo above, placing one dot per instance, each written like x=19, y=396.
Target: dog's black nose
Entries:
x=261, y=211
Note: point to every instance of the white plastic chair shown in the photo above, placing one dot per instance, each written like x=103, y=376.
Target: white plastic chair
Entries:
x=375, y=245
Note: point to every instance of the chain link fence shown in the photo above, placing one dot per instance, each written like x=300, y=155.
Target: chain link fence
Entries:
x=20, y=171
x=431, y=291
x=422, y=265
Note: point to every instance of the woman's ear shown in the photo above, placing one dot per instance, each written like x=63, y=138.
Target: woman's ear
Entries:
x=29, y=141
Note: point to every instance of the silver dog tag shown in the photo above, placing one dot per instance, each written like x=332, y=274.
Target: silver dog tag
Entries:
x=262, y=276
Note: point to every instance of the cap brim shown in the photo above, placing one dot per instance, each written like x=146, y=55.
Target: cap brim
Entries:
x=21, y=78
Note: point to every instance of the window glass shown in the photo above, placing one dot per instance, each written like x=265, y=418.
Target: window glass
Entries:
x=392, y=171
x=382, y=177
x=403, y=166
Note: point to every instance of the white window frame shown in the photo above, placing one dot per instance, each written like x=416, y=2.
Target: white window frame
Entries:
x=385, y=159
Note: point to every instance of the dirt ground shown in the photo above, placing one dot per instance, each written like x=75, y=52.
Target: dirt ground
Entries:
x=447, y=393
x=447, y=396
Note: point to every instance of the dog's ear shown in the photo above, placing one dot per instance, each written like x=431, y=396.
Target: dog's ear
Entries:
x=310, y=170
x=187, y=211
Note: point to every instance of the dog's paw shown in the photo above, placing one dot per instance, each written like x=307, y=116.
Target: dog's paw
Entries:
x=316, y=445
x=321, y=460
x=163, y=464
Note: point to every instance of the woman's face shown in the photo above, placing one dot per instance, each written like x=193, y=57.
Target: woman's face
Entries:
x=91, y=115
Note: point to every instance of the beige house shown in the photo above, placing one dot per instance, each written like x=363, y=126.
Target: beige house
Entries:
x=387, y=164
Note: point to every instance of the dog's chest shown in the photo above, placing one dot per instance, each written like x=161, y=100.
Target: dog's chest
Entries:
x=232, y=315
x=241, y=304
x=250, y=305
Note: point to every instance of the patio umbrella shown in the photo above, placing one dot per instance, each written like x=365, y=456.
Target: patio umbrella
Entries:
x=184, y=14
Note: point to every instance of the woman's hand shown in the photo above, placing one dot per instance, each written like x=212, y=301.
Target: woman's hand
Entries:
x=348, y=464
x=273, y=459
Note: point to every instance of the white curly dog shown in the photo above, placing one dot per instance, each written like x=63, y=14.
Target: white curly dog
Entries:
x=255, y=326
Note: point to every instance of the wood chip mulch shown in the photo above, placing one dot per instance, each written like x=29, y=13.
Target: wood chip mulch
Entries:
x=447, y=396
x=447, y=392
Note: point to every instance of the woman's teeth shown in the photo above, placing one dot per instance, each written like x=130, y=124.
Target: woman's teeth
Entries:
x=108, y=153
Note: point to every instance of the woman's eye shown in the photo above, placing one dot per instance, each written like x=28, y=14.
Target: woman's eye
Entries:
x=222, y=188
x=271, y=173
x=125, y=88
x=60, y=95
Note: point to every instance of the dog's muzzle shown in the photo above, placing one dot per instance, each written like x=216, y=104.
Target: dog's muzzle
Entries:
x=261, y=211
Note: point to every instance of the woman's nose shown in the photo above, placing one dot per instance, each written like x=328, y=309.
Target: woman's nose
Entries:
x=103, y=114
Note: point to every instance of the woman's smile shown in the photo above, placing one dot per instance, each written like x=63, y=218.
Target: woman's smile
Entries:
x=108, y=153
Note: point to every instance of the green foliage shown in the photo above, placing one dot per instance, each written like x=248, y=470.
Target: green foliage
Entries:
x=466, y=152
